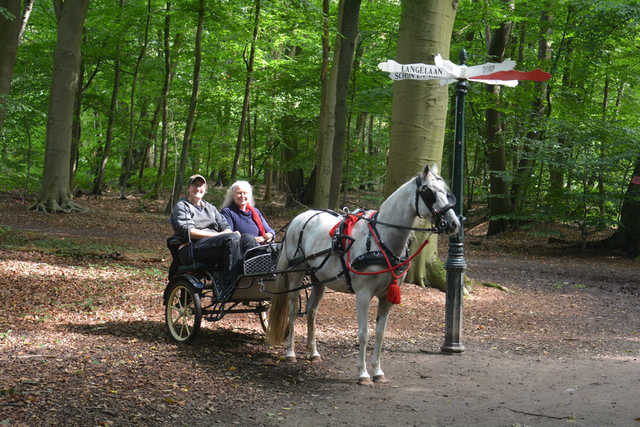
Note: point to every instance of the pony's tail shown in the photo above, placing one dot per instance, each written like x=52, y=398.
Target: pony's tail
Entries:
x=279, y=304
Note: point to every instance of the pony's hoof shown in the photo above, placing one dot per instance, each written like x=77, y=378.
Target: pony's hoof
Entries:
x=290, y=359
x=315, y=359
x=365, y=381
x=380, y=379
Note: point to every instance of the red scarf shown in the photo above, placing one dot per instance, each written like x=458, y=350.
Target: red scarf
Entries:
x=256, y=218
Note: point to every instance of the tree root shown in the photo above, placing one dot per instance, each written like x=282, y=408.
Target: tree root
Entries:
x=497, y=286
x=53, y=207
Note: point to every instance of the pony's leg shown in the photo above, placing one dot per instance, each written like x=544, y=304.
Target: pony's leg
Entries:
x=312, y=309
x=294, y=281
x=384, y=308
x=363, y=303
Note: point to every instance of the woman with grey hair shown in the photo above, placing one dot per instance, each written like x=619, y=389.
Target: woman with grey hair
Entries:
x=240, y=212
x=204, y=234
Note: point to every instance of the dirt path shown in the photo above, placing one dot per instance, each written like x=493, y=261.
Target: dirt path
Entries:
x=83, y=342
x=480, y=387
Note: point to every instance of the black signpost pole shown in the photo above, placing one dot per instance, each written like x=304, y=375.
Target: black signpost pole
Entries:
x=455, y=265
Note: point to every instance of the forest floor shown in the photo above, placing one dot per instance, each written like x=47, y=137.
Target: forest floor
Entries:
x=83, y=339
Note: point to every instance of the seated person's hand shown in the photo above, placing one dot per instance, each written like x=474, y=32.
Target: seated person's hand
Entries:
x=268, y=237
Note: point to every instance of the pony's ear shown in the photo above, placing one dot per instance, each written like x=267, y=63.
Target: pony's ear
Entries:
x=434, y=169
x=425, y=170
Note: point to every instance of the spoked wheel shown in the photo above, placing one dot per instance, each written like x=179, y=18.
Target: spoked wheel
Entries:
x=184, y=312
x=264, y=315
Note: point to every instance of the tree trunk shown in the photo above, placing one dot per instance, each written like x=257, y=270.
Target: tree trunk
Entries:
x=556, y=169
x=56, y=194
x=10, y=38
x=526, y=163
x=418, y=117
x=348, y=139
x=168, y=78
x=499, y=202
x=186, y=142
x=250, y=143
x=627, y=238
x=150, y=142
x=247, y=93
x=328, y=111
x=310, y=193
x=293, y=176
x=348, y=38
x=129, y=157
x=76, y=130
x=98, y=182
x=323, y=158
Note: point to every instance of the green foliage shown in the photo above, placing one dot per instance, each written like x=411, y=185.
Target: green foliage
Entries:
x=581, y=151
x=589, y=140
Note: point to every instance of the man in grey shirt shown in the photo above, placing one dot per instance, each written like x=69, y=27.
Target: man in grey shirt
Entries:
x=196, y=220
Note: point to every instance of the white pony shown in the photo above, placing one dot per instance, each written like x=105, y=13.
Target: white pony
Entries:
x=309, y=249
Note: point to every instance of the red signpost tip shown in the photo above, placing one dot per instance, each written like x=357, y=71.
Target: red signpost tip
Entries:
x=536, y=75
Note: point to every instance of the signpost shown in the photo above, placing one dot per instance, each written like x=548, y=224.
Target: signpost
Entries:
x=448, y=72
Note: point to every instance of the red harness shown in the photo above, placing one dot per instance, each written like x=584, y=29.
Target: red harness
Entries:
x=393, y=292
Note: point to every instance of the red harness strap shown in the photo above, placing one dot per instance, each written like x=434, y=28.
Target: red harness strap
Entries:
x=349, y=222
x=393, y=292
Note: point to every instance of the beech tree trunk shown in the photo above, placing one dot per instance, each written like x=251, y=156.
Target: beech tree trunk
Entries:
x=499, y=201
x=186, y=142
x=76, y=130
x=627, y=238
x=310, y=191
x=418, y=118
x=526, y=163
x=348, y=36
x=56, y=194
x=168, y=78
x=129, y=160
x=247, y=93
x=98, y=182
x=332, y=113
x=10, y=37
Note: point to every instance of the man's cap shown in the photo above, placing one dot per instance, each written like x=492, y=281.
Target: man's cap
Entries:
x=194, y=177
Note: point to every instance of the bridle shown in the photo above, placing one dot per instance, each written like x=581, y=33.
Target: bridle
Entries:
x=429, y=198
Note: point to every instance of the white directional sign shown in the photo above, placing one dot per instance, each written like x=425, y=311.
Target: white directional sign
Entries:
x=414, y=71
x=448, y=72
x=464, y=72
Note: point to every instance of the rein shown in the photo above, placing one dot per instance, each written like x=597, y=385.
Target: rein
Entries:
x=435, y=230
x=384, y=252
x=393, y=291
x=391, y=269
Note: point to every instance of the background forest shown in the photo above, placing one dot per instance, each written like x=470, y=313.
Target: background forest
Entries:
x=233, y=90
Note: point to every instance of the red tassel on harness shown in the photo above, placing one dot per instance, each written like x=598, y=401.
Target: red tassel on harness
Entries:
x=393, y=293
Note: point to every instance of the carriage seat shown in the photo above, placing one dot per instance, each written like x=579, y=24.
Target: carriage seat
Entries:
x=177, y=267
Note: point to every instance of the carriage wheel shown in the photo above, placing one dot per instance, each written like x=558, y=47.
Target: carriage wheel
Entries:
x=264, y=315
x=184, y=312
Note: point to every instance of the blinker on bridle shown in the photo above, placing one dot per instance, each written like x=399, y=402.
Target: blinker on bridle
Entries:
x=429, y=198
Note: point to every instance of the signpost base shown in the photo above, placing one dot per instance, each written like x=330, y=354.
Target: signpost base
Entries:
x=455, y=267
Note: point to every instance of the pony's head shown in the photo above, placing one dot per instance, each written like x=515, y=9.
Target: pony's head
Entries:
x=434, y=200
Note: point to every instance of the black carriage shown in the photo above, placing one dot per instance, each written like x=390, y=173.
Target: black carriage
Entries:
x=195, y=291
